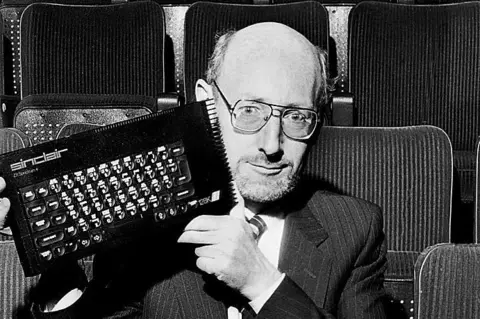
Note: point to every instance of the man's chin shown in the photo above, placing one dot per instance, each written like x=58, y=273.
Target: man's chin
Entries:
x=265, y=192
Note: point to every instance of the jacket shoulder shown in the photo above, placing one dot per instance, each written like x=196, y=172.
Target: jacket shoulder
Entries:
x=342, y=212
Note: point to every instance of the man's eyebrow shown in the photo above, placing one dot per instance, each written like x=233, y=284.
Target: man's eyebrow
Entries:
x=262, y=100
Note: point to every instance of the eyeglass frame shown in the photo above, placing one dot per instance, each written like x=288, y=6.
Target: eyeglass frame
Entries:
x=271, y=105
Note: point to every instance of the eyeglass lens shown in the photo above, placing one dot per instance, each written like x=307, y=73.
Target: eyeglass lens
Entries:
x=251, y=116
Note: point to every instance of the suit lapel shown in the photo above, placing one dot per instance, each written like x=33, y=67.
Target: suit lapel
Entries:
x=304, y=255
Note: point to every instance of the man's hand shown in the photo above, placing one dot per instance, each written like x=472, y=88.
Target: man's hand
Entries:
x=229, y=251
x=4, y=205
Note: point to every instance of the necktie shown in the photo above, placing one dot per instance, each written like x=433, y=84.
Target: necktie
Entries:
x=258, y=226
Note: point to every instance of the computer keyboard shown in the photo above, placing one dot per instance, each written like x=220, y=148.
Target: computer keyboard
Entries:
x=100, y=189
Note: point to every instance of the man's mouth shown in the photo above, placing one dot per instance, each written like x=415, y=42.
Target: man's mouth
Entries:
x=267, y=169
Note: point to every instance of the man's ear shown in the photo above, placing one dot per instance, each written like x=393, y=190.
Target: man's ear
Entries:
x=203, y=90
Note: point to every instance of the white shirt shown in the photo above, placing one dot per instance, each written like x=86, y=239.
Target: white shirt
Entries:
x=269, y=244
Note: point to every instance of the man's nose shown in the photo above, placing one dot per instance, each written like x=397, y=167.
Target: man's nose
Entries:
x=271, y=136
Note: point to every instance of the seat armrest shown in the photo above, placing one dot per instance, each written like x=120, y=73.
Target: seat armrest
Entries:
x=169, y=100
x=8, y=105
x=343, y=112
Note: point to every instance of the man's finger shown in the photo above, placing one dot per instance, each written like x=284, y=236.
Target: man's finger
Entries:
x=210, y=251
x=4, y=208
x=207, y=222
x=206, y=264
x=200, y=237
x=239, y=210
x=2, y=184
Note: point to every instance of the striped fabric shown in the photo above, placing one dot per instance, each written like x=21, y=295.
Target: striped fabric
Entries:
x=413, y=65
x=14, y=286
x=417, y=65
x=12, y=139
x=203, y=20
x=401, y=265
x=333, y=256
x=447, y=282
x=408, y=172
x=113, y=49
x=477, y=197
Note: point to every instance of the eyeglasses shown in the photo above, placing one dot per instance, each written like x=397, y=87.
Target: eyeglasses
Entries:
x=250, y=116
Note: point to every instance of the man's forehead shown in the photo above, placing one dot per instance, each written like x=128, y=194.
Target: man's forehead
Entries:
x=271, y=46
x=265, y=39
x=270, y=62
x=276, y=79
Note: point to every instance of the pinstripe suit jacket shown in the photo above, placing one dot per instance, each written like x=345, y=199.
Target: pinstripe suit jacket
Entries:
x=333, y=254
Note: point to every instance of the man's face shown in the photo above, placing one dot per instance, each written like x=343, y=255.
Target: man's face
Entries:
x=265, y=164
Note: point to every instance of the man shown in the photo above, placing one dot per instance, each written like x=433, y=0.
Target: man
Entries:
x=322, y=255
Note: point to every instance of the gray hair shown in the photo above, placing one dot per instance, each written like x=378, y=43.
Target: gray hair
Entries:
x=216, y=59
x=325, y=83
x=222, y=40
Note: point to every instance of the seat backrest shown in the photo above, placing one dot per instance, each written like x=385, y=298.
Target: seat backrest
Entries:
x=42, y=116
x=407, y=171
x=11, y=11
x=477, y=195
x=101, y=49
x=417, y=64
x=204, y=20
x=447, y=282
x=12, y=139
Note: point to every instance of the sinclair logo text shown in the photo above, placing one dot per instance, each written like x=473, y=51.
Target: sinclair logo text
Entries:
x=45, y=157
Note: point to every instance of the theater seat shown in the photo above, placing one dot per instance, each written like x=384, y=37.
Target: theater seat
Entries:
x=408, y=172
x=11, y=12
x=417, y=65
x=92, y=49
x=41, y=116
x=447, y=282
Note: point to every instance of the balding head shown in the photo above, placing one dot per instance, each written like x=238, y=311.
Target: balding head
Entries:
x=265, y=64
x=271, y=50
